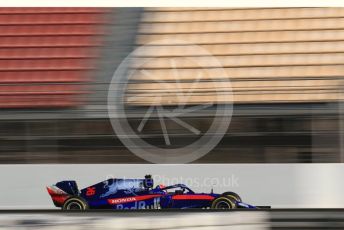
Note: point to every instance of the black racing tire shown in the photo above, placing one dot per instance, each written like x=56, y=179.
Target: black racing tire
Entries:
x=75, y=204
x=232, y=195
x=223, y=202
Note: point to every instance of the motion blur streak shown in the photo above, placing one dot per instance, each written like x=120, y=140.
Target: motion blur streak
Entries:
x=285, y=66
x=126, y=221
x=236, y=220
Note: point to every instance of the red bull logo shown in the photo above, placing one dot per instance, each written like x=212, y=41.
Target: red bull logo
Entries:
x=155, y=204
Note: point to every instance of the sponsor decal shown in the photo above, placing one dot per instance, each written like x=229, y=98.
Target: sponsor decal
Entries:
x=142, y=205
x=122, y=200
x=131, y=199
x=90, y=191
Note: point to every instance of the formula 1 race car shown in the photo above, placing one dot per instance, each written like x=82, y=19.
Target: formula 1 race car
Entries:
x=138, y=194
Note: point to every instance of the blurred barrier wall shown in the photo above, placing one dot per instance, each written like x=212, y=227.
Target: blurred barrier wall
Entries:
x=285, y=66
x=46, y=55
x=287, y=55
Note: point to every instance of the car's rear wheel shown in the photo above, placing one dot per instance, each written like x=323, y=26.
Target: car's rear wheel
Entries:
x=223, y=203
x=75, y=203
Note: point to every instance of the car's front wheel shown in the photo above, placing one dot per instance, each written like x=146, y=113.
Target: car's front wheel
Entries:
x=223, y=203
x=75, y=203
x=232, y=195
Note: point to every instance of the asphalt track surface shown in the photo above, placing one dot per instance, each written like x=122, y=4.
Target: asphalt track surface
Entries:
x=175, y=219
x=167, y=211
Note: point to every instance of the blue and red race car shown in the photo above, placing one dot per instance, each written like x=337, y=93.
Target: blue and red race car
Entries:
x=138, y=194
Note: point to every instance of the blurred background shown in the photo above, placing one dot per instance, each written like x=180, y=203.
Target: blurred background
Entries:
x=285, y=66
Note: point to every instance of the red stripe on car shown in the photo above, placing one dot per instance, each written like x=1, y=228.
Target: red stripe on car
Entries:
x=193, y=197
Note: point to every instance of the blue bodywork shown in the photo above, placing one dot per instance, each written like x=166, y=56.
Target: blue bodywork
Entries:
x=134, y=194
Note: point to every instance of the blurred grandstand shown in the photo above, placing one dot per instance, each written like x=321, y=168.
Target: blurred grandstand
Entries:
x=285, y=66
